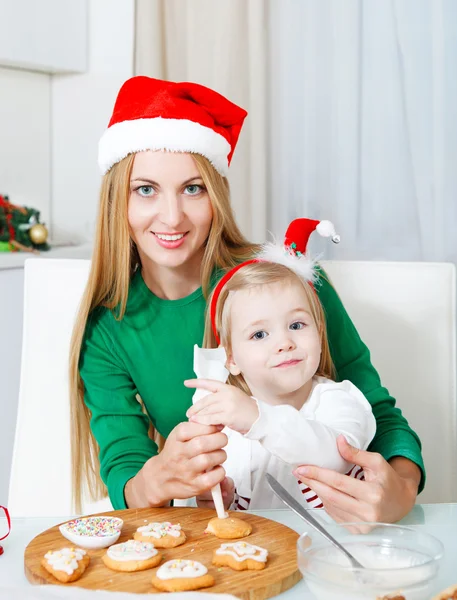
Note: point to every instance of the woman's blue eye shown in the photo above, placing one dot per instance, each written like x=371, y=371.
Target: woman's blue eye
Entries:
x=193, y=190
x=259, y=335
x=145, y=190
x=297, y=325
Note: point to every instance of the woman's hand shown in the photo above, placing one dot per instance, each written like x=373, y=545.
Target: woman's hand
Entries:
x=387, y=494
x=188, y=465
x=227, y=405
x=205, y=500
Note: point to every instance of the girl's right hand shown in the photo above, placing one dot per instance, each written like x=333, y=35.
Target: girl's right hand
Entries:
x=225, y=405
x=188, y=465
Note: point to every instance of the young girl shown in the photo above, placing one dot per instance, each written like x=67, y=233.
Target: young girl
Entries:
x=284, y=408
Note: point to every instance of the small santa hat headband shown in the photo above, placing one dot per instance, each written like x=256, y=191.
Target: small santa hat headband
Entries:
x=151, y=114
x=292, y=254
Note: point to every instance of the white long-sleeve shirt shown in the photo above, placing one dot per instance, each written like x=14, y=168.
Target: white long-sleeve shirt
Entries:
x=283, y=438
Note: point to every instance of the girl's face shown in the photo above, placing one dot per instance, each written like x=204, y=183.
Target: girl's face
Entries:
x=275, y=342
x=169, y=210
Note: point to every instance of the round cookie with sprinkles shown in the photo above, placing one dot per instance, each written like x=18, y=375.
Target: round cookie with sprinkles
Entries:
x=182, y=576
x=67, y=564
x=132, y=556
x=162, y=535
x=240, y=556
x=448, y=594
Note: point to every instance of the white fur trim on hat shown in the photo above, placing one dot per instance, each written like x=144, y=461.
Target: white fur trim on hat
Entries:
x=173, y=135
x=302, y=265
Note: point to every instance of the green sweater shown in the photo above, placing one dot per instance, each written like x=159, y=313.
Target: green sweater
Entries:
x=150, y=353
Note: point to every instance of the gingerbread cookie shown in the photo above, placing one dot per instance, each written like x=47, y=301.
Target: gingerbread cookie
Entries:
x=132, y=556
x=240, y=556
x=67, y=564
x=449, y=593
x=162, y=535
x=182, y=576
x=229, y=528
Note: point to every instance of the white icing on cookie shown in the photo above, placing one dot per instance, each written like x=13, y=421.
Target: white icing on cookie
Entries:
x=242, y=551
x=159, y=530
x=132, y=550
x=65, y=559
x=180, y=569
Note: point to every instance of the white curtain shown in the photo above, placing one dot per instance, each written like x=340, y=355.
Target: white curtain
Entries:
x=363, y=113
x=220, y=44
x=352, y=112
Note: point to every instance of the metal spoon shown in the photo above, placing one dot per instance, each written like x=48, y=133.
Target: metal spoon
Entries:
x=304, y=514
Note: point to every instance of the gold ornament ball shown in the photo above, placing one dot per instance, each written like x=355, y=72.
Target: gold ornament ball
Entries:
x=38, y=233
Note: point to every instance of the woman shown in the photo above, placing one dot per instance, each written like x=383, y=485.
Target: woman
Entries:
x=165, y=230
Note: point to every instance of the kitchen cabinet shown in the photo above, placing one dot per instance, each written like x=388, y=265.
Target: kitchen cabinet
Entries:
x=50, y=36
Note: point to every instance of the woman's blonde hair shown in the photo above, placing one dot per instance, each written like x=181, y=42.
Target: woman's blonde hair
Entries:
x=255, y=275
x=115, y=259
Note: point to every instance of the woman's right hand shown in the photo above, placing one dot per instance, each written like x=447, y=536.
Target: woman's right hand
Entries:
x=188, y=465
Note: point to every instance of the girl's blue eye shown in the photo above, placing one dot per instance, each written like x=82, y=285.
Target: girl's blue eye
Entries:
x=259, y=335
x=193, y=190
x=297, y=325
x=145, y=190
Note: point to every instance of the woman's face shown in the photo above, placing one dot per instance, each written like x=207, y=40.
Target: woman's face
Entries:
x=169, y=210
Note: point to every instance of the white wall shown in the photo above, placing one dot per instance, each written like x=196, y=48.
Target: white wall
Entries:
x=50, y=125
x=25, y=133
x=81, y=108
x=49, y=131
x=43, y=35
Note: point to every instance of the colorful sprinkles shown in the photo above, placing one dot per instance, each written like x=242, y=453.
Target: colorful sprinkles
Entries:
x=94, y=526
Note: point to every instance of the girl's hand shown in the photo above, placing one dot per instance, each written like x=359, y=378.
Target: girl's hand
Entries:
x=188, y=465
x=387, y=494
x=205, y=500
x=227, y=405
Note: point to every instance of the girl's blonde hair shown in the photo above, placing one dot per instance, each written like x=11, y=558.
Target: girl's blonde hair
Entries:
x=262, y=274
x=115, y=259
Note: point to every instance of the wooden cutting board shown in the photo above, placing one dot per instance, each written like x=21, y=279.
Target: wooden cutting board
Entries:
x=280, y=574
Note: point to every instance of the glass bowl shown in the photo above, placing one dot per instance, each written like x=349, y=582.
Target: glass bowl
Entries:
x=398, y=560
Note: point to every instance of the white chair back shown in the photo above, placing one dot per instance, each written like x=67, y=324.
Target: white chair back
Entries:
x=40, y=483
x=406, y=314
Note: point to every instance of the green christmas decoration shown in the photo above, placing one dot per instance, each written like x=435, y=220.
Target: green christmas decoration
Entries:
x=20, y=228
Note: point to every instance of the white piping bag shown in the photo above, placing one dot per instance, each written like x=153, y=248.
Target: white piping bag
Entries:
x=209, y=363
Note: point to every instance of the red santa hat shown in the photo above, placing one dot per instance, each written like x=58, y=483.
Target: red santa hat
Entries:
x=292, y=254
x=151, y=114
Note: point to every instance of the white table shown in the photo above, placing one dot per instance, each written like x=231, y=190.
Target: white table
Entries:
x=439, y=520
